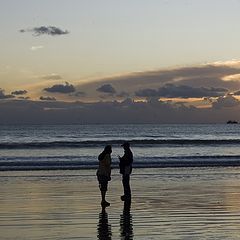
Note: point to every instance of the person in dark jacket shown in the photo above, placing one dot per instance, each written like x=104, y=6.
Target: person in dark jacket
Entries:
x=125, y=165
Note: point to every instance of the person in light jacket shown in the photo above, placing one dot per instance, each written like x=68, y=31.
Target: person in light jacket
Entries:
x=104, y=173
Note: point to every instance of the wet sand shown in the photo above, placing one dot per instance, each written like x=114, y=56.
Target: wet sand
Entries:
x=177, y=203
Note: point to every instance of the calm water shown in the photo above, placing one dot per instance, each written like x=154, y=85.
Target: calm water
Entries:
x=77, y=146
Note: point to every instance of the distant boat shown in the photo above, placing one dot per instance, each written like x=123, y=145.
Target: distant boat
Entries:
x=232, y=122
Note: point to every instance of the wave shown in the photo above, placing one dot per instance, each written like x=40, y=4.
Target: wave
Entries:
x=73, y=162
x=135, y=142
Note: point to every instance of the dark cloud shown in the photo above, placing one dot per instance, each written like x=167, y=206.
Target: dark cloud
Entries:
x=209, y=99
x=5, y=96
x=19, y=92
x=61, y=88
x=237, y=93
x=46, y=98
x=207, y=76
x=123, y=94
x=45, y=30
x=24, y=98
x=182, y=91
x=52, y=77
x=210, y=82
x=106, y=88
x=147, y=93
x=127, y=102
x=77, y=94
x=228, y=101
x=128, y=111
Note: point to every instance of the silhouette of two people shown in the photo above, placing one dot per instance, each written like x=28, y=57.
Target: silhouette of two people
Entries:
x=104, y=172
x=104, y=176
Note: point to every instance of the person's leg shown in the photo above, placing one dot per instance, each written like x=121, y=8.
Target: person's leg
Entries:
x=126, y=186
x=103, y=188
x=103, y=194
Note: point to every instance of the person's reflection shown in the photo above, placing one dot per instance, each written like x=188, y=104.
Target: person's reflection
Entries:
x=104, y=228
x=126, y=226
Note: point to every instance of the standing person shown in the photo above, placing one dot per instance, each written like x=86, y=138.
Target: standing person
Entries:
x=125, y=165
x=104, y=173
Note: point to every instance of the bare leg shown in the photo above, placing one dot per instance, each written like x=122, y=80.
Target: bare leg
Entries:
x=104, y=203
x=103, y=189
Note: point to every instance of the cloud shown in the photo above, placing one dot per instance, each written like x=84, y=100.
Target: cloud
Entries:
x=182, y=91
x=24, y=98
x=203, y=80
x=228, y=101
x=232, y=77
x=52, y=76
x=129, y=111
x=35, y=48
x=61, y=88
x=45, y=30
x=237, y=93
x=47, y=98
x=4, y=96
x=19, y=92
x=77, y=94
x=123, y=94
x=147, y=93
x=106, y=88
x=210, y=82
x=201, y=76
x=232, y=63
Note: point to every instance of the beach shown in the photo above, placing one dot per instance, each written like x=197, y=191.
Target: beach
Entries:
x=167, y=203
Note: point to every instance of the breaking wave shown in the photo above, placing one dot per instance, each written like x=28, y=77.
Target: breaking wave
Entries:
x=135, y=142
x=76, y=162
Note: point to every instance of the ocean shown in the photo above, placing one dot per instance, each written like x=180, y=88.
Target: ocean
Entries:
x=48, y=147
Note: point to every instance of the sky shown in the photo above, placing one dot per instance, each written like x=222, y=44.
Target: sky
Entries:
x=65, y=54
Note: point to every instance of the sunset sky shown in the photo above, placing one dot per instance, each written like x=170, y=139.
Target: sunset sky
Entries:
x=184, y=52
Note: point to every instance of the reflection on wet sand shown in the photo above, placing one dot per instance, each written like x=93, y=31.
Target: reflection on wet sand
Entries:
x=198, y=203
x=126, y=226
x=104, y=228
